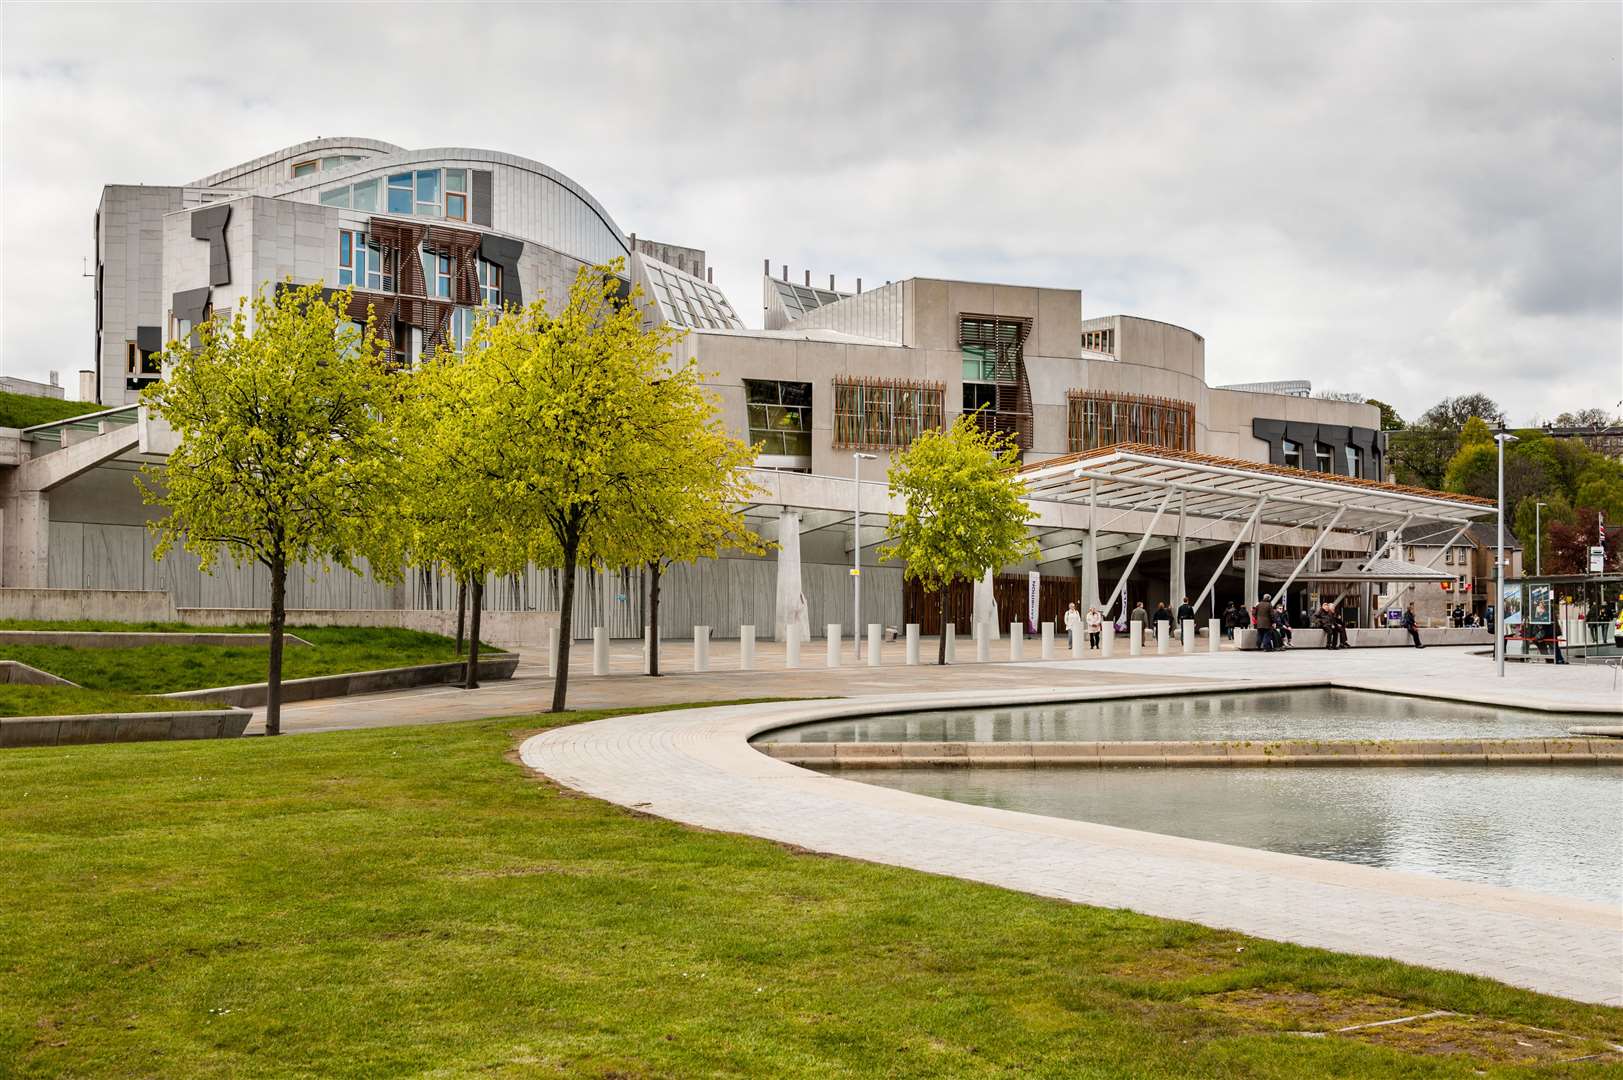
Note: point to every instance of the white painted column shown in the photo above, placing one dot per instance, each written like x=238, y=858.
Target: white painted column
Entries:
x=1135, y=638
x=876, y=634
x=701, y=648
x=833, y=631
x=790, y=606
x=1189, y=635
x=1017, y=641
x=791, y=645
x=951, y=631
x=1048, y=641
x=1163, y=637
x=983, y=642
x=746, y=647
x=552, y=652
x=913, y=644
x=600, y=651
x=1079, y=642
x=1214, y=634
x=1107, y=640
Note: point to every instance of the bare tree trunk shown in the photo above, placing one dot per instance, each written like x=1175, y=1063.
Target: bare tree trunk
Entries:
x=461, y=609
x=653, y=617
x=278, y=622
x=566, y=605
x=941, y=646
x=472, y=680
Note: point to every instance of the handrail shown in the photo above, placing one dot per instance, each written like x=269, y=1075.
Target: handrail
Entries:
x=86, y=418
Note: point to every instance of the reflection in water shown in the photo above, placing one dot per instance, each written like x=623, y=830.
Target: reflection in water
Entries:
x=1549, y=829
x=1278, y=714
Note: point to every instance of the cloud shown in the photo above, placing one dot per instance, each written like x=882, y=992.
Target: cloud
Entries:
x=1411, y=202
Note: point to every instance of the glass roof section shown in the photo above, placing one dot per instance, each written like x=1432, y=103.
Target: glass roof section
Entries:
x=799, y=299
x=685, y=300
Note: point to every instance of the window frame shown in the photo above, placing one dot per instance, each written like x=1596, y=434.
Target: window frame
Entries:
x=1288, y=449
x=311, y=167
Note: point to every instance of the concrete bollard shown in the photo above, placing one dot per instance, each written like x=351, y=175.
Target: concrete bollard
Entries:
x=1017, y=641
x=1079, y=643
x=746, y=647
x=1107, y=640
x=912, y=644
x=1135, y=638
x=1048, y=641
x=951, y=631
x=600, y=651
x=1163, y=637
x=791, y=646
x=1188, y=636
x=1214, y=634
x=552, y=652
x=876, y=634
x=833, y=631
x=701, y=648
x=983, y=644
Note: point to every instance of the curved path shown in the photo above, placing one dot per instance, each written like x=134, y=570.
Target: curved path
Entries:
x=695, y=766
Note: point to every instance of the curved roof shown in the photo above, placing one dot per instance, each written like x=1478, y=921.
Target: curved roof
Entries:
x=298, y=150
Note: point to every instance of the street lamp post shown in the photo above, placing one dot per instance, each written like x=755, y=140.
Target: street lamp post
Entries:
x=1538, y=542
x=1499, y=562
x=856, y=551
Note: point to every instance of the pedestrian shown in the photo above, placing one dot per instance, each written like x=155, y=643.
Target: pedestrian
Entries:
x=1073, y=625
x=1262, y=617
x=1162, y=615
x=1282, y=625
x=1409, y=625
x=1186, y=613
x=1096, y=626
x=1228, y=620
x=1138, y=620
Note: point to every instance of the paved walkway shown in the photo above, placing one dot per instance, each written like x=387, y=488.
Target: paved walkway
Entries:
x=696, y=766
x=1453, y=673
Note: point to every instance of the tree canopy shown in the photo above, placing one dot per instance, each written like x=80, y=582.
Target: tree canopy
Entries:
x=964, y=508
x=284, y=456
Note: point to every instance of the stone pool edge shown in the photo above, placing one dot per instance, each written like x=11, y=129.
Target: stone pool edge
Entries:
x=697, y=767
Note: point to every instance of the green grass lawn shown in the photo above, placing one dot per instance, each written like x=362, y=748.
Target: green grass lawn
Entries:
x=23, y=410
x=20, y=700
x=161, y=669
x=410, y=901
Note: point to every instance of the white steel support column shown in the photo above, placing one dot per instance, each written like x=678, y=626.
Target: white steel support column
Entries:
x=1121, y=585
x=1249, y=528
x=1324, y=534
x=1175, y=580
x=1253, y=584
x=1090, y=552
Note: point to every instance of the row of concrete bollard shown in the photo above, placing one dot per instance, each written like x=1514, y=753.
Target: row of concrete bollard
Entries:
x=983, y=644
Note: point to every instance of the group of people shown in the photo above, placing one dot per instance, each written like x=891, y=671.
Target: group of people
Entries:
x=1094, y=621
x=1462, y=618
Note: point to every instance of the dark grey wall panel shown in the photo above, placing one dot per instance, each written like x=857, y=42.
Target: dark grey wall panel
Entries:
x=209, y=224
x=481, y=197
x=1336, y=436
x=504, y=251
x=149, y=338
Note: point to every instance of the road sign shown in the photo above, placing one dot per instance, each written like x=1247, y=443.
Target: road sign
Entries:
x=1597, y=559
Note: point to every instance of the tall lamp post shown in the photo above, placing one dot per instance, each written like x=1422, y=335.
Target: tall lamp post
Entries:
x=1538, y=542
x=856, y=551
x=1499, y=562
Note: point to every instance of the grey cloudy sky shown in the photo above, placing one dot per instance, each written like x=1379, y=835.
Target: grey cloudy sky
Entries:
x=1405, y=201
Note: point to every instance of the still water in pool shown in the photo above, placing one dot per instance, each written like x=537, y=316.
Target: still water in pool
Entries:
x=1548, y=829
x=1276, y=714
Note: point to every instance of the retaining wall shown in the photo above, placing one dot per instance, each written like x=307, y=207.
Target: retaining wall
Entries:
x=121, y=727
x=252, y=695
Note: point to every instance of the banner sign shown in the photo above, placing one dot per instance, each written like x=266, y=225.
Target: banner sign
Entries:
x=1033, y=598
x=1597, y=558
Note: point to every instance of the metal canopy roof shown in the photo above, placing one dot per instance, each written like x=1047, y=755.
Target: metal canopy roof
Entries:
x=1133, y=476
x=1353, y=570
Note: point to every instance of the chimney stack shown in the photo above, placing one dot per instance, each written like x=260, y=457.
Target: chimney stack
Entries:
x=808, y=279
x=766, y=267
x=859, y=284
x=786, y=271
x=710, y=274
x=831, y=283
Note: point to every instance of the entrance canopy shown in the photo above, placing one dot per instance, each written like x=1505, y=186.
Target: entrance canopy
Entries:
x=1353, y=571
x=1133, y=476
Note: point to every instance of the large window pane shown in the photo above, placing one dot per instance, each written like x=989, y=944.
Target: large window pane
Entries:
x=365, y=195
x=456, y=179
x=428, y=185
x=399, y=200
x=338, y=196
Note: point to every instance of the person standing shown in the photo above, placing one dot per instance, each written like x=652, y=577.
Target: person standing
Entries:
x=1262, y=617
x=1096, y=626
x=1186, y=612
x=1073, y=625
x=1409, y=625
x=1138, y=620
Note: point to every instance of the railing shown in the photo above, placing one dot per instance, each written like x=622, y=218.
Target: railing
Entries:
x=122, y=416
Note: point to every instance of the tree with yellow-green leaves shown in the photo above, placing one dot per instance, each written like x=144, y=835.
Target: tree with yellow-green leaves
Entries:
x=451, y=512
x=588, y=435
x=964, y=509
x=284, y=456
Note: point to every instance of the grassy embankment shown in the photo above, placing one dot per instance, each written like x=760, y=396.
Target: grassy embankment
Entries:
x=409, y=900
x=22, y=410
x=162, y=669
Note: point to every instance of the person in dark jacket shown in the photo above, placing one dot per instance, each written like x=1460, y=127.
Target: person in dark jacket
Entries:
x=1162, y=615
x=1186, y=611
x=1262, y=617
x=1409, y=625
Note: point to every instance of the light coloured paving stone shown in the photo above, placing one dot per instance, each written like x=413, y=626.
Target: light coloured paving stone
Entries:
x=696, y=766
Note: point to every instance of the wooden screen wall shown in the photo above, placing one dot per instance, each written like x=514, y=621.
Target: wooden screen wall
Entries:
x=1055, y=594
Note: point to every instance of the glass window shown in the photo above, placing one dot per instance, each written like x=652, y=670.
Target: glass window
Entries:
x=1355, y=461
x=980, y=395
x=437, y=274
x=428, y=193
x=346, y=257
x=400, y=193
x=456, y=179
x=779, y=415
x=305, y=168
x=1321, y=457
x=456, y=206
x=490, y=283
x=366, y=195
x=1099, y=418
x=460, y=329
x=1293, y=453
x=980, y=363
x=338, y=196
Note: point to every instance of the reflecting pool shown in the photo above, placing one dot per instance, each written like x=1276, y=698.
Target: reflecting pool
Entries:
x=1275, y=714
x=1549, y=829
